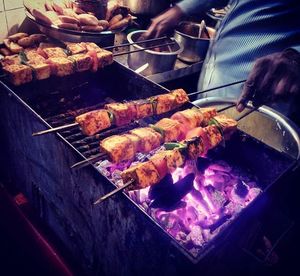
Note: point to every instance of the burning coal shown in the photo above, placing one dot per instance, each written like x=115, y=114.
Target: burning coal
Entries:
x=195, y=202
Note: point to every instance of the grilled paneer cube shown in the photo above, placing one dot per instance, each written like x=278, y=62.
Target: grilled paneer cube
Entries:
x=104, y=58
x=41, y=71
x=54, y=52
x=195, y=147
x=164, y=103
x=144, y=108
x=18, y=73
x=159, y=160
x=180, y=97
x=150, y=139
x=123, y=114
x=200, y=132
x=227, y=124
x=93, y=121
x=214, y=135
x=76, y=48
x=171, y=129
x=61, y=66
x=10, y=60
x=135, y=140
x=83, y=62
x=189, y=119
x=143, y=174
x=33, y=56
x=118, y=148
x=208, y=113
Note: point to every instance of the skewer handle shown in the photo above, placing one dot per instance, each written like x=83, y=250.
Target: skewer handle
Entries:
x=107, y=196
x=144, y=49
x=55, y=129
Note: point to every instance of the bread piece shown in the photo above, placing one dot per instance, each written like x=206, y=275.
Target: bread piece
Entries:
x=70, y=12
x=48, y=17
x=58, y=6
x=120, y=24
x=68, y=19
x=26, y=42
x=5, y=52
x=18, y=73
x=103, y=23
x=88, y=19
x=17, y=36
x=12, y=46
x=115, y=19
x=88, y=28
x=61, y=66
x=38, y=38
x=83, y=62
x=68, y=26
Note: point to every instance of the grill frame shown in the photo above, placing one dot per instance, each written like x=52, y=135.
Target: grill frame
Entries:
x=77, y=154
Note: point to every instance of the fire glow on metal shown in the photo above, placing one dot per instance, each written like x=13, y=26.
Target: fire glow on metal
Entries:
x=216, y=197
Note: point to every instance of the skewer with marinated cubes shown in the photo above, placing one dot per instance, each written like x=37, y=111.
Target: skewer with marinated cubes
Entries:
x=197, y=142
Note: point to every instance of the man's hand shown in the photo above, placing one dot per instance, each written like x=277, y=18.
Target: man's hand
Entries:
x=164, y=22
x=273, y=77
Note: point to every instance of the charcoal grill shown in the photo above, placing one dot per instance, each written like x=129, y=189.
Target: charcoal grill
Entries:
x=114, y=238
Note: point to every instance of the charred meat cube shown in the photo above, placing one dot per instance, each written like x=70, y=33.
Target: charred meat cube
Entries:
x=18, y=73
x=143, y=174
x=189, y=119
x=150, y=139
x=144, y=108
x=118, y=148
x=180, y=97
x=83, y=62
x=164, y=103
x=208, y=113
x=123, y=114
x=93, y=121
x=61, y=66
x=171, y=129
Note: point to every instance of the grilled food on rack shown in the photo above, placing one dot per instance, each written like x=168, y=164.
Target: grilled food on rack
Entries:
x=97, y=119
x=45, y=59
x=146, y=139
x=151, y=172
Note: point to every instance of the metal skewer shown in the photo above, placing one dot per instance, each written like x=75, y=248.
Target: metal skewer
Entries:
x=137, y=42
x=215, y=88
x=55, y=129
x=88, y=161
x=107, y=196
x=144, y=49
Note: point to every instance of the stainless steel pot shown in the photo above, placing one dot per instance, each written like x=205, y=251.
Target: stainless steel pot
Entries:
x=150, y=62
x=194, y=48
x=147, y=7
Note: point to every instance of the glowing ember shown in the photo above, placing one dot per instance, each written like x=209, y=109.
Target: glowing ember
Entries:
x=215, y=198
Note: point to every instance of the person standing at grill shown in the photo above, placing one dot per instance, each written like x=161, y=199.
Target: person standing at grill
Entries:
x=258, y=40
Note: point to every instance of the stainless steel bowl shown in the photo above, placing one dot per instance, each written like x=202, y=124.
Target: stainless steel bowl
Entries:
x=152, y=62
x=147, y=7
x=194, y=48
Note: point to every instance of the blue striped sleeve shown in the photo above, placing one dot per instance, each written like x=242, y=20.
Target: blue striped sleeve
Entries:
x=197, y=6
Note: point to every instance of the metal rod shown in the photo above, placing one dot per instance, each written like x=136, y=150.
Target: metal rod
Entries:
x=88, y=161
x=215, y=88
x=225, y=108
x=107, y=196
x=54, y=129
x=246, y=114
x=138, y=42
x=144, y=49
